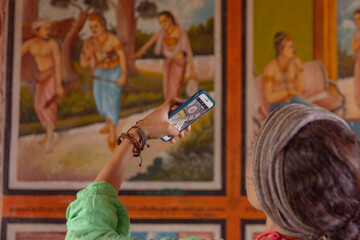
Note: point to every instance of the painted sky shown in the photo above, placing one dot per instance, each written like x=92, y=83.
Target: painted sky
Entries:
x=345, y=23
x=189, y=11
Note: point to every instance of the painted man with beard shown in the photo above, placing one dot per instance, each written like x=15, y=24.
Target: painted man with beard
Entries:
x=46, y=53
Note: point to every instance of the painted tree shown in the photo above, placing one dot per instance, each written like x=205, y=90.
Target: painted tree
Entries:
x=126, y=24
x=69, y=72
x=28, y=65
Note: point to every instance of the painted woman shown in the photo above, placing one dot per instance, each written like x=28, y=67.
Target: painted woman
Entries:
x=283, y=76
x=171, y=41
x=355, y=46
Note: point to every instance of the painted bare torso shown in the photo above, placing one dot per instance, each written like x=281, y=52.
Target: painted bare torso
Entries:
x=284, y=78
x=171, y=39
x=105, y=49
x=41, y=50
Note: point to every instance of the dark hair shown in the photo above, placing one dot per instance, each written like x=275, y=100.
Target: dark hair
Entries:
x=322, y=175
x=279, y=39
x=98, y=17
x=357, y=11
x=168, y=15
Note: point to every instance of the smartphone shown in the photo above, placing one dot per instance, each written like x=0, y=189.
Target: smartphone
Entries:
x=188, y=112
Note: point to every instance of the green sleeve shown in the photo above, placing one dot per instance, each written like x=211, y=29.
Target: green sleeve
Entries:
x=97, y=213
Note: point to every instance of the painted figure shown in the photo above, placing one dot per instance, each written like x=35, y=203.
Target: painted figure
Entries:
x=104, y=53
x=46, y=53
x=355, y=46
x=172, y=41
x=283, y=76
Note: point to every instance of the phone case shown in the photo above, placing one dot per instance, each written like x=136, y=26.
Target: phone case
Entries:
x=184, y=104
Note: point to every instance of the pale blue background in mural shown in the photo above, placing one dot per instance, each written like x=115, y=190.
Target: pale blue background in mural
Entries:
x=345, y=23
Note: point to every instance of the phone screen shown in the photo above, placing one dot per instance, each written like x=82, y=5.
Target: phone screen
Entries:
x=189, y=113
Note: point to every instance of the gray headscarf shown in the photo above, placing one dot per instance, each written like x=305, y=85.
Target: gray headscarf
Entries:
x=268, y=155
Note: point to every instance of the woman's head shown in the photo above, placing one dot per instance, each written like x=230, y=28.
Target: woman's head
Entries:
x=284, y=45
x=97, y=24
x=306, y=173
x=357, y=17
x=321, y=175
x=166, y=19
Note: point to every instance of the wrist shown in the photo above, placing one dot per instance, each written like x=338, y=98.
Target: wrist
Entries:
x=136, y=134
x=137, y=137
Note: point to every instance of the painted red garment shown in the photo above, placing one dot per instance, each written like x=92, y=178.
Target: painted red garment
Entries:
x=174, y=71
x=45, y=92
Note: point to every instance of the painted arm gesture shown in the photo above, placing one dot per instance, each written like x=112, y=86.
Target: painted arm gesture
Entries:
x=147, y=45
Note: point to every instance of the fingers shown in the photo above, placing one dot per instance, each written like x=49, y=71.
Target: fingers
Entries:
x=173, y=101
x=172, y=131
x=181, y=135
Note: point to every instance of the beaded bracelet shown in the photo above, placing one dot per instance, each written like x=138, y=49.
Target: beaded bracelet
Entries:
x=138, y=145
x=142, y=134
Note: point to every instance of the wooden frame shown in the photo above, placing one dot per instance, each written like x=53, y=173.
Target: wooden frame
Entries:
x=251, y=227
x=16, y=161
x=325, y=38
x=46, y=228
x=229, y=207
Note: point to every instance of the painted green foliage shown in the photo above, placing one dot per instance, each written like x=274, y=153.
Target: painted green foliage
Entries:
x=191, y=160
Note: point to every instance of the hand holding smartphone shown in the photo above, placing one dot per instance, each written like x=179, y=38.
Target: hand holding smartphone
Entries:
x=191, y=110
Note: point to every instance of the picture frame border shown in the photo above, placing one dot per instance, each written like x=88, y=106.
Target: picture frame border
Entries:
x=61, y=221
x=245, y=222
x=8, y=124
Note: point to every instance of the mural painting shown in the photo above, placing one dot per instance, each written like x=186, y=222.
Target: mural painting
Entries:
x=155, y=231
x=90, y=69
x=284, y=67
x=348, y=22
x=3, y=4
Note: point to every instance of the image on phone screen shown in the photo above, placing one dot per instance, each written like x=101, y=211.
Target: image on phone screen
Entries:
x=190, y=112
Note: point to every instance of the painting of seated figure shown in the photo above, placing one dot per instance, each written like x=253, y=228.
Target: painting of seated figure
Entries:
x=295, y=58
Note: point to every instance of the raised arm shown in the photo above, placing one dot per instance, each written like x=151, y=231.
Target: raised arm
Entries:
x=116, y=44
x=86, y=53
x=155, y=125
x=97, y=212
x=147, y=45
x=299, y=75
